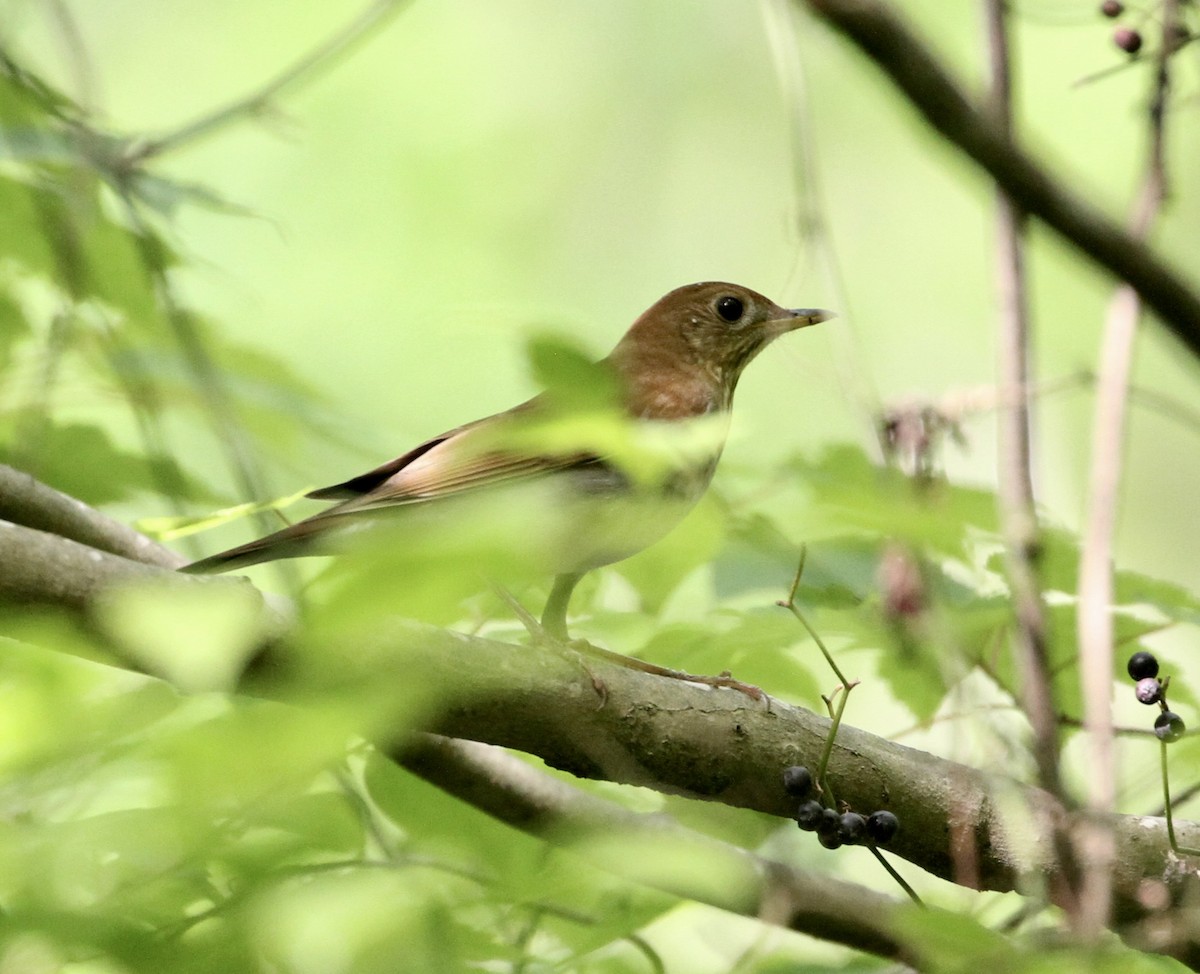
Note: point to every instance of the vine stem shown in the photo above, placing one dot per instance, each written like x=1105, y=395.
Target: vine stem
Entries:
x=256, y=102
x=912, y=893
x=1175, y=846
x=844, y=687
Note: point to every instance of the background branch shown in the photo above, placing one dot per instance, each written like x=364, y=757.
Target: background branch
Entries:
x=884, y=37
x=1018, y=518
x=26, y=501
x=615, y=840
x=676, y=737
x=1095, y=622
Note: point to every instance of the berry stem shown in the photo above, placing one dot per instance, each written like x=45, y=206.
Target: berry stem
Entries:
x=845, y=685
x=790, y=604
x=1162, y=754
x=912, y=893
x=1175, y=846
x=844, y=689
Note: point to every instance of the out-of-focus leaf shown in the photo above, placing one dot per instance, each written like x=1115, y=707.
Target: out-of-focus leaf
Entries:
x=197, y=636
x=570, y=376
x=657, y=571
x=13, y=328
x=855, y=493
x=81, y=460
x=22, y=229
x=27, y=98
x=513, y=867
x=165, y=196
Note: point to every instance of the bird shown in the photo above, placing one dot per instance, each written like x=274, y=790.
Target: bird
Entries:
x=575, y=505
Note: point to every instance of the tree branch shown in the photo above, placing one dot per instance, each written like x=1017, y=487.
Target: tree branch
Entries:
x=917, y=73
x=681, y=738
x=303, y=69
x=512, y=791
x=24, y=500
x=1095, y=623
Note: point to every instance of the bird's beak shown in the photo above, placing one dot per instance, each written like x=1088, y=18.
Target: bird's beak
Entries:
x=797, y=318
x=809, y=316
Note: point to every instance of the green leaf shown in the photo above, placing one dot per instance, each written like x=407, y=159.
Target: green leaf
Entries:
x=882, y=501
x=81, y=460
x=570, y=376
x=13, y=329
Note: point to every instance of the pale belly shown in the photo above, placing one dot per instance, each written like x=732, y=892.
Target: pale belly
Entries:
x=564, y=522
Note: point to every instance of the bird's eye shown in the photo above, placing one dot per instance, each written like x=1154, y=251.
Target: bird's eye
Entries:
x=730, y=308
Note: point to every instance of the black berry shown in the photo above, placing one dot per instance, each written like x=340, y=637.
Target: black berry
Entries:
x=1142, y=665
x=1112, y=8
x=830, y=823
x=1169, y=726
x=882, y=826
x=809, y=815
x=830, y=840
x=1127, y=39
x=797, y=781
x=853, y=829
x=1148, y=690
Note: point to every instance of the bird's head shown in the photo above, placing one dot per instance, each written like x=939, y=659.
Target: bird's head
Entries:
x=713, y=328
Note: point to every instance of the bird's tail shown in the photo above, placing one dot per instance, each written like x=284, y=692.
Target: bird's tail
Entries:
x=293, y=541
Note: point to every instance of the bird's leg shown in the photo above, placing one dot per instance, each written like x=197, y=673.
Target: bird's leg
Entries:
x=554, y=616
x=633, y=663
x=554, y=623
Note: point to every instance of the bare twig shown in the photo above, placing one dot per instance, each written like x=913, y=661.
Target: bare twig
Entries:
x=512, y=791
x=886, y=39
x=1017, y=514
x=304, y=69
x=1094, y=616
x=28, y=502
x=529, y=701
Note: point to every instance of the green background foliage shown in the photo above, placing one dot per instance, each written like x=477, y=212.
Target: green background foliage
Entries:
x=365, y=263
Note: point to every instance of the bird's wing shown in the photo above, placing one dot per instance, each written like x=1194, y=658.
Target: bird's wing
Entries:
x=462, y=459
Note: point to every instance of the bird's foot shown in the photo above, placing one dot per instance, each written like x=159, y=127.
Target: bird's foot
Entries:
x=632, y=662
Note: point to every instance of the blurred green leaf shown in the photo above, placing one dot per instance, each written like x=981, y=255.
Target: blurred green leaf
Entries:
x=199, y=637
x=13, y=328
x=81, y=460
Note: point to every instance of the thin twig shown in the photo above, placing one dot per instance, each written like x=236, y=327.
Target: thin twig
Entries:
x=1094, y=615
x=255, y=103
x=1017, y=515
x=884, y=37
x=842, y=692
x=891, y=870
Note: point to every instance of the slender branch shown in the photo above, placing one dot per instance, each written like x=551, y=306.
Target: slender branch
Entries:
x=43, y=569
x=1094, y=615
x=1015, y=494
x=920, y=76
x=302, y=70
x=615, y=839
x=705, y=743
x=28, y=502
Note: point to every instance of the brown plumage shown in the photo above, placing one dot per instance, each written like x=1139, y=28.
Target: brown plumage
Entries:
x=680, y=360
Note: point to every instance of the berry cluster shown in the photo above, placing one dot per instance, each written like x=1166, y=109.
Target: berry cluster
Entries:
x=1129, y=39
x=1143, y=670
x=833, y=830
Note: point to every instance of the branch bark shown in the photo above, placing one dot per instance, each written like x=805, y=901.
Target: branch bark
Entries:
x=885, y=38
x=512, y=791
x=26, y=501
x=701, y=742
